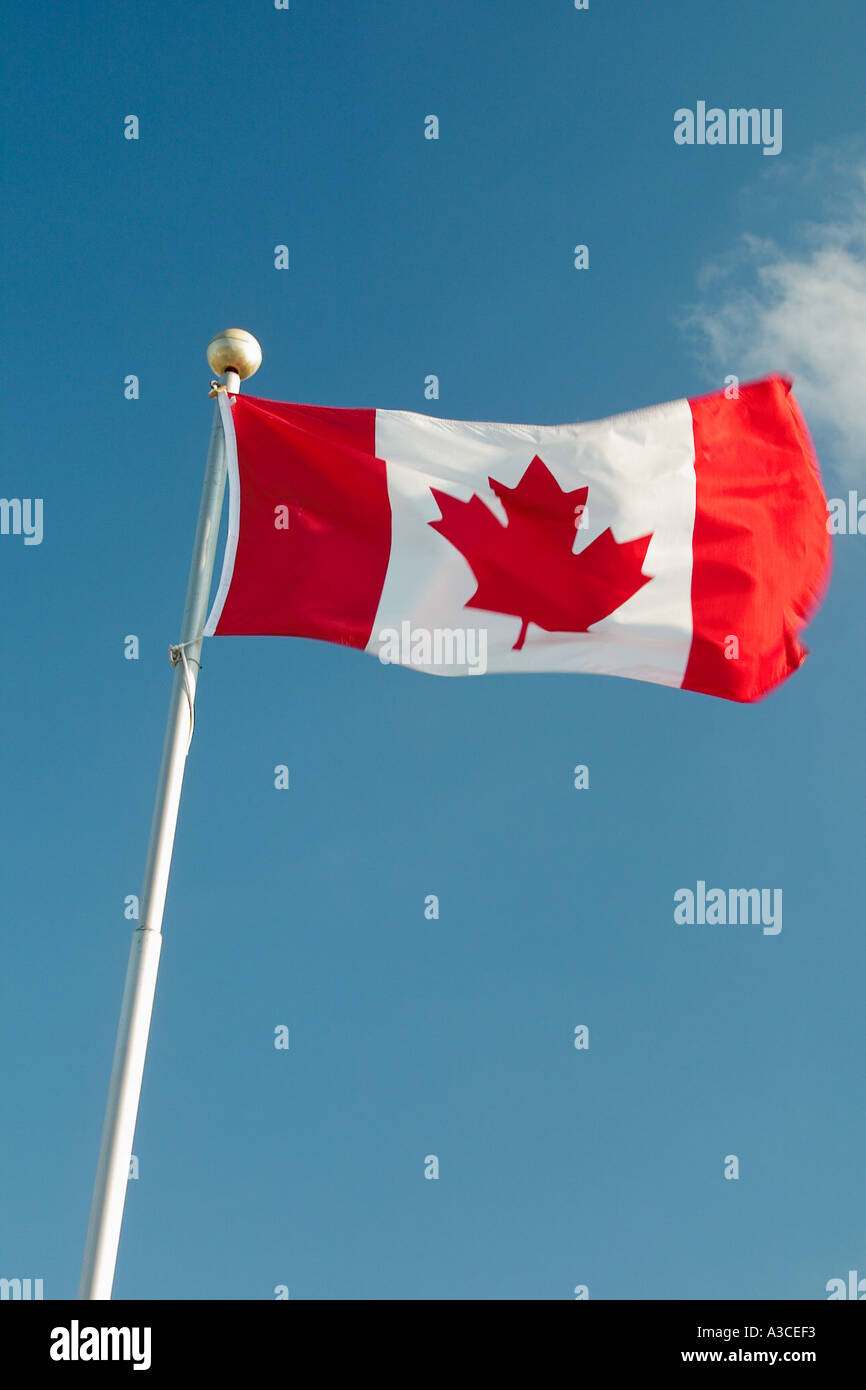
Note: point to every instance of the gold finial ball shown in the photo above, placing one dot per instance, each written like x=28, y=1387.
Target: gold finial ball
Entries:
x=235, y=350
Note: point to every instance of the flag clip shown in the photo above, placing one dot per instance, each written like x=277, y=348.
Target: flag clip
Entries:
x=177, y=653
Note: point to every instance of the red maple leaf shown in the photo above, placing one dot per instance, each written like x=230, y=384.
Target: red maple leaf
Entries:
x=526, y=567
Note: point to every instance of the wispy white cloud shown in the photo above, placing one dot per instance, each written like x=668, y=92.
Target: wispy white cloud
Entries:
x=800, y=307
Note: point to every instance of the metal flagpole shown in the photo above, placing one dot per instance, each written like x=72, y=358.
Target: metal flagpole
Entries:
x=237, y=355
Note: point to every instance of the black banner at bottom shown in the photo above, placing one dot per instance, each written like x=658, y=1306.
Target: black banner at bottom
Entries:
x=83, y=1339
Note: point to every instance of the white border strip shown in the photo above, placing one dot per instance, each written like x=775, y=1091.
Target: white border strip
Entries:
x=231, y=444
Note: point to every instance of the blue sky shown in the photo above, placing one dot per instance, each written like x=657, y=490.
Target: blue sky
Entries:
x=409, y=1037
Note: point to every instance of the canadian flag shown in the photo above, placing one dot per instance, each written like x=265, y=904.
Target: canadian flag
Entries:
x=684, y=544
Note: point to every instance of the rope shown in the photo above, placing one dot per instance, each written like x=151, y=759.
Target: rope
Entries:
x=176, y=653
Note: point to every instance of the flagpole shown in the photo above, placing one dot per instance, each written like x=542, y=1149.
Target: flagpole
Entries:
x=237, y=355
